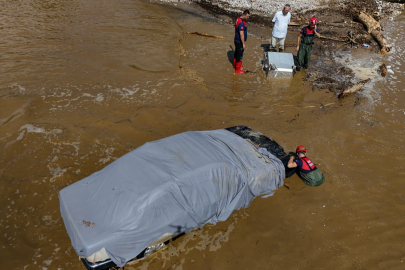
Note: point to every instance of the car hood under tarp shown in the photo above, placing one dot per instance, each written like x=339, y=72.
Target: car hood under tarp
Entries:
x=172, y=185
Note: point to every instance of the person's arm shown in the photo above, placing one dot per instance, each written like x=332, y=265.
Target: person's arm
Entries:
x=242, y=38
x=291, y=163
x=274, y=20
x=317, y=32
x=298, y=42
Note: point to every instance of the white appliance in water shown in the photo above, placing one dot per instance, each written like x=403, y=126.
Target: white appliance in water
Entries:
x=278, y=64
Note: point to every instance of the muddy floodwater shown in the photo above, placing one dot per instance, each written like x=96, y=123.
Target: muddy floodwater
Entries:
x=83, y=82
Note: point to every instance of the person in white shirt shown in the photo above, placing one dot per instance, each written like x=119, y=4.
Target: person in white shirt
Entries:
x=280, y=25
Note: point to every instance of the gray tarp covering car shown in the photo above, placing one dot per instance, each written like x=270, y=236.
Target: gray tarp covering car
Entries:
x=172, y=185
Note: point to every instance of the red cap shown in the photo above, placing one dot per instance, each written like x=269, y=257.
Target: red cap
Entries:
x=301, y=148
x=313, y=21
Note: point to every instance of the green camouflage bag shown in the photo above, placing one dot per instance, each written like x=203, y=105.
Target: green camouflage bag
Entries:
x=313, y=178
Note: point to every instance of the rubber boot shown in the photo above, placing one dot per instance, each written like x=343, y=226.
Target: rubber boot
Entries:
x=280, y=50
x=238, y=68
x=234, y=64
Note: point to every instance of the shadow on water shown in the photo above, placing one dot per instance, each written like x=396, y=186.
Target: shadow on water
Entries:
x=230, y=55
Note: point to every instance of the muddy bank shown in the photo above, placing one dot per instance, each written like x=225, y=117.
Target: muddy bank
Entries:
x=268, y=8
x=263, y=8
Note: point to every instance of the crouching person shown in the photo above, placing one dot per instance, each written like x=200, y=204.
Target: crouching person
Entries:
x=306, y=169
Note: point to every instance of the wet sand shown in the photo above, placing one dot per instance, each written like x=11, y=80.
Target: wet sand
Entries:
x=85, y=82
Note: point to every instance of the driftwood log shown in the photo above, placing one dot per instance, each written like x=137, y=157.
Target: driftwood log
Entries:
x=374, y=28
x=354, y=88
x=205, y=35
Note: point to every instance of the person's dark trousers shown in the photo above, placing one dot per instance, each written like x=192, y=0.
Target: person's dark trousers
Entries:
x=304, y=54
x=238, y=51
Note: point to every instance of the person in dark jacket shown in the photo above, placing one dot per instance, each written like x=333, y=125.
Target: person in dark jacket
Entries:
x=305, y=41
x=240, y=40
x=306, y=169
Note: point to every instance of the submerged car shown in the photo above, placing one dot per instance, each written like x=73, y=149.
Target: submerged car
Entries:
x=166, y=188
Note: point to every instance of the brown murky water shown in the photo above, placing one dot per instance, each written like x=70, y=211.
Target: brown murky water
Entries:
x=84, y=82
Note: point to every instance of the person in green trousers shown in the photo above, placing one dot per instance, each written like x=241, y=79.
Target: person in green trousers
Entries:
x=304, y=43
x=306, y=170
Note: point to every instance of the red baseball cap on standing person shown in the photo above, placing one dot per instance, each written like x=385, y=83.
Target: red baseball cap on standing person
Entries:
x=313, y=21
x=301, y=148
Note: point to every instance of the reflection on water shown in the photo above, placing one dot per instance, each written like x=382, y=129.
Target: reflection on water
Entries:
x=84, y=82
